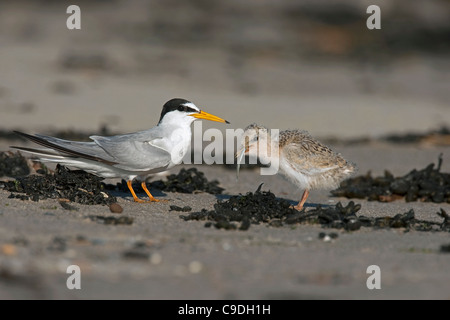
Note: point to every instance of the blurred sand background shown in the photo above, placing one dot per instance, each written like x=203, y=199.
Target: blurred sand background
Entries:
x=309, y=64
x=285, y=64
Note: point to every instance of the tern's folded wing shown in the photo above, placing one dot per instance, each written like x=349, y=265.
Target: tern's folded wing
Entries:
x=133, y=153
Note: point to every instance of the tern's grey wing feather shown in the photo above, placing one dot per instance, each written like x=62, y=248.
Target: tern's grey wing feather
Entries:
x=87, y=150
x=135, y=151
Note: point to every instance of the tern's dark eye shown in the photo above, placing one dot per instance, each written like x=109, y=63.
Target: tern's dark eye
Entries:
x=182, y=108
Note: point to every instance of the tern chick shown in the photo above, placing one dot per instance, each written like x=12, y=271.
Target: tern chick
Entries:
x=303, y=160
x=128, y=156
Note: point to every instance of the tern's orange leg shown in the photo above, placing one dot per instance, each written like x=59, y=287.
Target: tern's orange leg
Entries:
x=135, y=197
x=299, y=206
x=152, y=198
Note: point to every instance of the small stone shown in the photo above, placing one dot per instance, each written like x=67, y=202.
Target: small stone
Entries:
x=115, y=208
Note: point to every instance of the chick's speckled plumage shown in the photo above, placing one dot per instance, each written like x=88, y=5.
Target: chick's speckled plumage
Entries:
x=316, y=165
x=303, y=160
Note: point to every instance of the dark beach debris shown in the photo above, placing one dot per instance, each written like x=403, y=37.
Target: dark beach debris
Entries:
x=74, y=185
x=440, y=136
x=67, y=206
x=57, y=244
x=182, y=209
x=139, y=251
x=435, y=137
x=446, y=223
x=187, y=181
x=327, y=237
x=445, y=248
x=13, y=164
x=112, y=220
x=262, y=207
x=81, y=239
x=427, y=185
x=9, y=135
x=19, y=196
x=136, y=254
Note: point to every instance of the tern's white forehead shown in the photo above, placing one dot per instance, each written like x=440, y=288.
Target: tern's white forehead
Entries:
x=191, y=105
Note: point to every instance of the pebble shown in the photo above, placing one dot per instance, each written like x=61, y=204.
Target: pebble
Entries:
x=115, y=208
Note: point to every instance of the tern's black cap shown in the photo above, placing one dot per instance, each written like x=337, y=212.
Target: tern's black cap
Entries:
x=176, y=104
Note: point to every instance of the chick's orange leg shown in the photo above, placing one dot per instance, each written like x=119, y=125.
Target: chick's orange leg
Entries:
x=299, y=206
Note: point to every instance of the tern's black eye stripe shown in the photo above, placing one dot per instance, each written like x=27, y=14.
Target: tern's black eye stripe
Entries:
x=186, y=109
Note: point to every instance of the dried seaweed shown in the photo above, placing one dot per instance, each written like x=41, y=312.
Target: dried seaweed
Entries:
x=187, y=181
x=263, y=207
x=427, y=185
x=74, y=185
x=13, y=165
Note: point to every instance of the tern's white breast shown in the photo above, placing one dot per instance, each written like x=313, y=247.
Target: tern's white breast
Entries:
x=180, y=141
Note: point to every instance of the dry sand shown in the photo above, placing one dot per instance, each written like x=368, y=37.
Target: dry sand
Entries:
x=185, y=260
